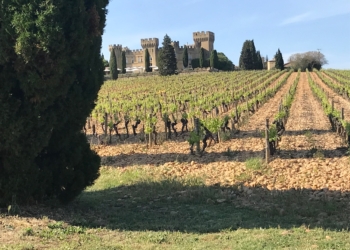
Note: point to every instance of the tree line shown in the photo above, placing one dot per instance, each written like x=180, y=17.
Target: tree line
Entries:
x=250, y=59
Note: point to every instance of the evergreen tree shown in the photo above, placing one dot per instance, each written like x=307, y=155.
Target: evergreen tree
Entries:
x=166, y=58
x=266, y=60
x=201, y=58
x=123, y=62
x=104, y=61
x=279, y=64
x=214, y=59
x=147, y=61
x=50, y=73
x=246, y=60
x=260, y=64
x=113, y=66
x=185, y=57
x=254, y=55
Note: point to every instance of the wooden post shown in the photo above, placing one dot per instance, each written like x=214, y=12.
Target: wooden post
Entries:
x=150, y=134
x=332, y=105
x=342, y=113
x=267, y=152
x=196, y=121
x=106, y=123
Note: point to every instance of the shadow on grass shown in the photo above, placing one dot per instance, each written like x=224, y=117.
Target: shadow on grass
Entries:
x=192, y=207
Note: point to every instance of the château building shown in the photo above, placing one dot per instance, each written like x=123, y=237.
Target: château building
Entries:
x=136, y=58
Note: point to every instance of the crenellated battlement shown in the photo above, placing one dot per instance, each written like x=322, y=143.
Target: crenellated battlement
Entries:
x=203, y=36
x=115, y=47
x=192, y=46
x=135, y=57
x=175, y=44
x=149, y=43
x=137, y=51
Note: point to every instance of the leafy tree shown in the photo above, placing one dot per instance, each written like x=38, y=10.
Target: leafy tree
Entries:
x=185, y=57
x=147, y=61
x=123, y=62
x=214, y=59
x=259, y=64
x=201, y=58
x=279, y=64
x=167, y=64
x=113, y=65
x=104, y=61
x=47, y=51
x=308, y=60
x=224, y=63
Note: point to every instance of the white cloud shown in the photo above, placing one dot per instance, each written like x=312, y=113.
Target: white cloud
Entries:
x=297, y=19
x=317, y=14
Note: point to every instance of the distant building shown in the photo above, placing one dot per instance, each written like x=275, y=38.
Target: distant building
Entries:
x=135, y=58
x=271, y=64
x=287, y=65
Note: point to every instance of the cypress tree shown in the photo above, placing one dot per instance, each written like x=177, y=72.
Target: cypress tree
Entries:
x=246, y=58
x=104, y=61
x=201, y=58
x=123, y=62
x=113, y=65
x=254, y=55
x=279, y=60
x=260, y=64
x=185, y=57
x=147, y=63
x=47, y=51
x=166, y=58
x=214, y=59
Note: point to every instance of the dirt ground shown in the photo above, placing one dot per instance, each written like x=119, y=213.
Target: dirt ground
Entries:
x=309, y=155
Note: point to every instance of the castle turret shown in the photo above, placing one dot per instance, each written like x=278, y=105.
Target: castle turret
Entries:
x=204, y=40
x=117, y=48
x=152, y=45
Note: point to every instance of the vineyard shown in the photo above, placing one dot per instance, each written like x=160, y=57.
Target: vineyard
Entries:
x=223, y=120
x=218, y=160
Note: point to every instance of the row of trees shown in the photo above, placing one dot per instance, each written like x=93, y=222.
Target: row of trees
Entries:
x=250, y=59
x=167, y=63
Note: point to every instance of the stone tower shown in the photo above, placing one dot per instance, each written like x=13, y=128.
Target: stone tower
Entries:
x=152, y=45
x=118, y=53
x=204, y=40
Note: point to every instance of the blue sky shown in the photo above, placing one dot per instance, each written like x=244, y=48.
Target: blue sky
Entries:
x=293, y=26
